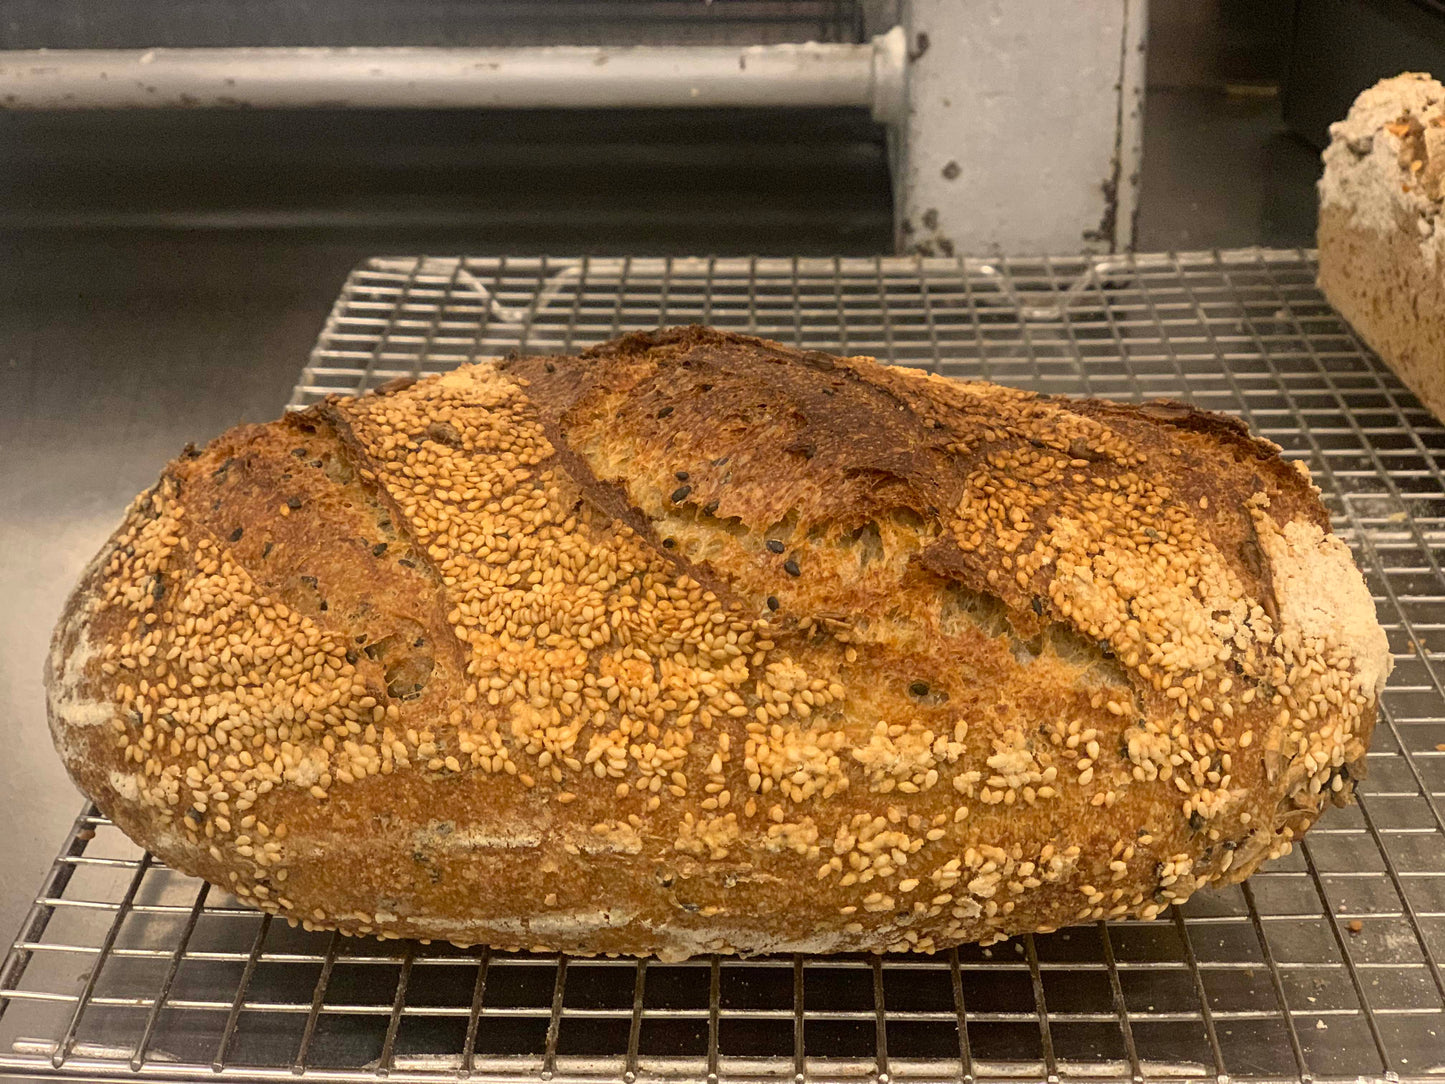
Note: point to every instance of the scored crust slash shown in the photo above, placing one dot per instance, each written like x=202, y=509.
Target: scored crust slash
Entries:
x=695, y=643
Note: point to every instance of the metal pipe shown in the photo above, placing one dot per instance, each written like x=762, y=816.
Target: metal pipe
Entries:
x=528, y=77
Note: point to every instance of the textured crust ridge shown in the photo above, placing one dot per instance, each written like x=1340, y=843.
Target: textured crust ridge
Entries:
x=695, y=643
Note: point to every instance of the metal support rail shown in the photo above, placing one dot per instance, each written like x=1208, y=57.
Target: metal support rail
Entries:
x=807, y=75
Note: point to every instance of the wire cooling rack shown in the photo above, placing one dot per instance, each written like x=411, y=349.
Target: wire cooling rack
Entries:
x=1324, y=967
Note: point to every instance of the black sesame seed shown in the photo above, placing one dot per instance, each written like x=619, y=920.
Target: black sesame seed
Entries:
x=236, y=534
x=293, y=503
x=407, y=562
x=352, y=656
x=710, y=507
x=325, y=605
x=550, y=367
x=723, y=462
x=668, y=543
x=309, y=581
x=664, y=412
x=772, y=602
x=1038, y=606
x=158, y=589
x=680, y=494
x=919, y=688
x=299, y=453
x=1196, y=821
x=775, y=546
x=378, y=549
x=790, y=566
x=681, y=475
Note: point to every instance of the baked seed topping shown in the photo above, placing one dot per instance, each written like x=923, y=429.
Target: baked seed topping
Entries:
x=604, y=674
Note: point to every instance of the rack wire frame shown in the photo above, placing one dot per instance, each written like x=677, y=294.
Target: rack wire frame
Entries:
x=1326, y=966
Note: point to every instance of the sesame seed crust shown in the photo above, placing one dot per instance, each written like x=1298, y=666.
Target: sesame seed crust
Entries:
x=695, y=643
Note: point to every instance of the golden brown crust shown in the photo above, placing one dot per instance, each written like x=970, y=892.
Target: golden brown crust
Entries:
x=697, y=643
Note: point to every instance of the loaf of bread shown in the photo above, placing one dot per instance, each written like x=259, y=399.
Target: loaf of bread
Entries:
x=1380, y=238
x=695, y=643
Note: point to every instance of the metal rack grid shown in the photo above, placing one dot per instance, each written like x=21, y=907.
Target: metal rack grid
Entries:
x=1326, y=966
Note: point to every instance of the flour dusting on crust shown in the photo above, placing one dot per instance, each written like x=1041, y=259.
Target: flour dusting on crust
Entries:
x=125, y=785
x=1321, y=592
x=1364, y=173
x=72, y=707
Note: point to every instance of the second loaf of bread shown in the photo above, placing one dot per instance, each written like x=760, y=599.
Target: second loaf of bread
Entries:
x=1380, y=239
x=695, y=643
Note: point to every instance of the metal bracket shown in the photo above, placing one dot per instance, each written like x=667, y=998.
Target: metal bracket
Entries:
x=1023, y=127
